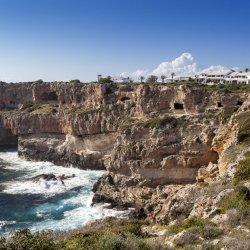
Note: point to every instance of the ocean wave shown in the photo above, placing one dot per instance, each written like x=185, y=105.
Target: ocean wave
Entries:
x=5, y=223
x=24, y=184
x=78, y=217
x=50, y=205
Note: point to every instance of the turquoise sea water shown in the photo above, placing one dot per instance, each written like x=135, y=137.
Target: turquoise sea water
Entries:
x=46, y=205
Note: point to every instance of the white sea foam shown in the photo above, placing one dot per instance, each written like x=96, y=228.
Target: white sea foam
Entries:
x=5, y=223
x=77, y=217
x=49, y=188
x=70, y=211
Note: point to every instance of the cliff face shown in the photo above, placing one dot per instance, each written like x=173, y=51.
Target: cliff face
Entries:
x=146, y=136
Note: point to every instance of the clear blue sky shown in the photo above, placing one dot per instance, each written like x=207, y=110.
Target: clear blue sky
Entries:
x=68, y=39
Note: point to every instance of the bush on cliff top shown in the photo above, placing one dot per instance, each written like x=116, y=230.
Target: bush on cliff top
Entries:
x=40, y=81
x=227, y=87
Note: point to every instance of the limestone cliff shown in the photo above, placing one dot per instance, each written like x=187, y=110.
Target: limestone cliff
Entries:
x=148, y=137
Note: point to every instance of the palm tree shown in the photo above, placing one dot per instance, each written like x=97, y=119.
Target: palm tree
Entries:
x=99, y=77
x=142, y=79
x=163, y=78
x=247, y=70
x=172, y=76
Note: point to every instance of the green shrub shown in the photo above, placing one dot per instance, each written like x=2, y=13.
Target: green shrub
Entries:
x=243, y=191
x=25, y=240
x=129, y=121
x=157, y=122
x=134, y=227
x=244, y=127
x=239, y=200
x=34, y=107
x=105, y=241
x=190, y=223
x=228, y=112
x=210, y=246
x=2, y=243
x=231, y=87
x=105, y=80
x=211, y=232
x=110, y=234
x=40, y=81
x=46, y=108
x=140, y=244
x=75, y=81
x=111, y=242
x=243, y=170
x=202, y=184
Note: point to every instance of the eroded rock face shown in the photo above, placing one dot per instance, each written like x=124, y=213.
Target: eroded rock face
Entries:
x=147, y=137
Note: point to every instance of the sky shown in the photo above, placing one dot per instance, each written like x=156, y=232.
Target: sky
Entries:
x=60, y=40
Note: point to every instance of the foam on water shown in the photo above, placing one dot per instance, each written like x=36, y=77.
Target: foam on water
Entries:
x=50, y=204
x=23, y=185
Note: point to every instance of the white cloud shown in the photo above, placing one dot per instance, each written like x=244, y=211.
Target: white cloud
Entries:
x=182, y=65
x=214, y=68
x=135, y=75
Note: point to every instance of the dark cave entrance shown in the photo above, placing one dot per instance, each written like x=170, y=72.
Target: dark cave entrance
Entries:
x=49, y=96
x=239, y=103
x=125, y=98
x=219, y=105
x=178, y=106
x=8, y=140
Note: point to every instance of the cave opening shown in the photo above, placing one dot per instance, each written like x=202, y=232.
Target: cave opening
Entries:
x=239, y=103
x=8, y=140
x=125, y=98
x=219, y=105
x=49, y=96
x=179, y=106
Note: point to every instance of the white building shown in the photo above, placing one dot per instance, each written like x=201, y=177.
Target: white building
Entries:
x=223, y=76
x=121, y=79
x=217, y=76
x=238, y=77
x=177, y=79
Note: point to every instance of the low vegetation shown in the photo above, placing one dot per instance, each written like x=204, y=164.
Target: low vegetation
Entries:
x=239, y=200
x=75, y=81
x=243, y=170
x=24, y=239
x=40, y=81
x=109, y=234
x=46, y=108
x=190, y=223
x=230, y=87
x=198, y=226
x=162, y=121
x=157, y=122
x=244, y=127
x=228, y=112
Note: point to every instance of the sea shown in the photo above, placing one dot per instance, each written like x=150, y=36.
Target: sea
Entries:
x=46, y=205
